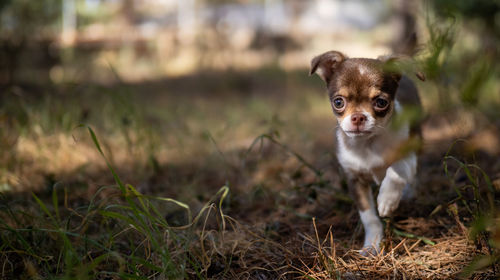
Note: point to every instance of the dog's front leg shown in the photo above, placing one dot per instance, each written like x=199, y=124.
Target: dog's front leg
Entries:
x=361, y=192
x=397, y=176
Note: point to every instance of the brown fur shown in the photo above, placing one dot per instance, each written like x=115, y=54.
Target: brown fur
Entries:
x=360, y=81
x=359, y=190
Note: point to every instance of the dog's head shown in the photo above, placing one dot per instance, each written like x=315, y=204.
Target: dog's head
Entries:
x=362, y=91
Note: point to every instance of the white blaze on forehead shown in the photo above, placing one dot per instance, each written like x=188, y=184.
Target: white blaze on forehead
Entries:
x=362, y=69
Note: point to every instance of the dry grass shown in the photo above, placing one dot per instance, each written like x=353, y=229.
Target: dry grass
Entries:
x=404, y=259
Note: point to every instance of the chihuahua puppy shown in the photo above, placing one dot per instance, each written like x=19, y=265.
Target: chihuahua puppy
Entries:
x=375, y=140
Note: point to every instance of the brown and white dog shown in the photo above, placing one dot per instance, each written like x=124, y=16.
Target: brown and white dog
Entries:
x=375, y=139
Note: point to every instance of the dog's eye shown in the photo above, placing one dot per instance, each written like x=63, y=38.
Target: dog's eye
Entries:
x=380, y=103
x=339, y=103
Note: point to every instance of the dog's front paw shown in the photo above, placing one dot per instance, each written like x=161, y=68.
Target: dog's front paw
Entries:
x=373, y=238
x=370, y=251
x=388, y=201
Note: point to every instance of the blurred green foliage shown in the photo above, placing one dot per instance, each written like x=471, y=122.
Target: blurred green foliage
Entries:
x=28, y=18
x=460, y=58
x=485, y=10
x=25, y=24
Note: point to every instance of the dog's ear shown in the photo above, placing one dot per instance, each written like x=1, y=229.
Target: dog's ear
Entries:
x=397, y=64
x=324, y=64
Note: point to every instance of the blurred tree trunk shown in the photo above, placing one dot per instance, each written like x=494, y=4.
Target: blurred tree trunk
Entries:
x=405, y=40
x=128, y=11
x=186, y=21
x=68, y=35
x=11, y=52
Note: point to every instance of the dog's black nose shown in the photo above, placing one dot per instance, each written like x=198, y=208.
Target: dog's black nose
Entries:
x=357, y=119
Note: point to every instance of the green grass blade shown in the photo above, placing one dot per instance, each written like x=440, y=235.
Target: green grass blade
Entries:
x=110, y=167
x=413, y=236
x=224, y=190
x=19, y=237
x=55, y=202
x=45, y=210
x=87, y=268
x=118, y=216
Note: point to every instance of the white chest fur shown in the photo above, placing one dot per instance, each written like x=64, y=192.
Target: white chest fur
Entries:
x=365, y=154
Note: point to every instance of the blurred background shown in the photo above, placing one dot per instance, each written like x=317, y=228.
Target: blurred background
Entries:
x=58, y=41
x=66, y=41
